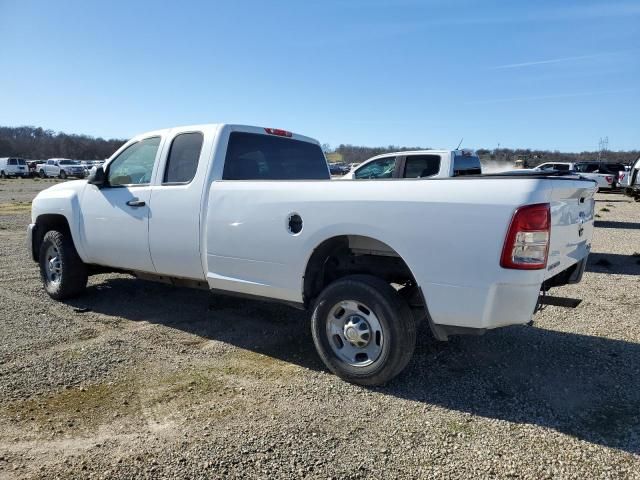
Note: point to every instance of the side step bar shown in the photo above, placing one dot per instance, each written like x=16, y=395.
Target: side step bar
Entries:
x=559, y=301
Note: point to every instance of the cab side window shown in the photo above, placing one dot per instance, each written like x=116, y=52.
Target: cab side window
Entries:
x=381, y=168
x=134, y=165
x=182, y=161
x=420, y=166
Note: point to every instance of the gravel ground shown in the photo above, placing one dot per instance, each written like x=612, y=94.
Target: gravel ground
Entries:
x=137, y=379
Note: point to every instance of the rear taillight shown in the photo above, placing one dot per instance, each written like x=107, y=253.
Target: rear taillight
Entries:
x=608, y=178
x=527, y=243
x=278, y=131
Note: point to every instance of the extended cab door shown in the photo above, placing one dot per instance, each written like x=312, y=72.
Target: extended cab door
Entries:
x=115, y=217
x=176, y=198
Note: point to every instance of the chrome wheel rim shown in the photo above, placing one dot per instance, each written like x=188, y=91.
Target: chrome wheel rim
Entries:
x=53, y=265
x=354, y=333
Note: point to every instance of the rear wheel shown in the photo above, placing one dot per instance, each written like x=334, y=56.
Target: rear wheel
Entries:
x=62, y=271
x=42, y=174
x=363, y=330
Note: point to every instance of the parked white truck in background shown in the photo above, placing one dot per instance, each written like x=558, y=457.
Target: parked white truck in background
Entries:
x=252, y=211
x=417, y=164
x=591, y=170
x=62, y=168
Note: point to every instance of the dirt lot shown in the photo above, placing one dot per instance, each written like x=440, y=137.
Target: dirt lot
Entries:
x=137, y=379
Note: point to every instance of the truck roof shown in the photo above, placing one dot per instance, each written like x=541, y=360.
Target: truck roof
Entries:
x=220, y=126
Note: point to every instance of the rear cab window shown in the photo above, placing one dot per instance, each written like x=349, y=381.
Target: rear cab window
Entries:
x=253, y=156
x=466, y=163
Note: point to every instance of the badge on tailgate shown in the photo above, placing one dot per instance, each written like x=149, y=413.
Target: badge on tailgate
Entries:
x=581, y=220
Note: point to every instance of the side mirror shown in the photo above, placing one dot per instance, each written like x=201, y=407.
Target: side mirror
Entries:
x=97, y=177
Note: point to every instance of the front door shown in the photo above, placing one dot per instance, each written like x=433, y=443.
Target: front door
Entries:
x=115, y=218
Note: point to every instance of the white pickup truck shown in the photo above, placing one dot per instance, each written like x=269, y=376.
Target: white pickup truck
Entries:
x=417, y=164
x=252, y=211
x=591, y=170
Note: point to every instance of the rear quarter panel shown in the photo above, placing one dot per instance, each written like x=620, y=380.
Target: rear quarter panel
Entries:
x=449, y=232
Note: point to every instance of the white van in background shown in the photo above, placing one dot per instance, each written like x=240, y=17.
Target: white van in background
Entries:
x=13, y=167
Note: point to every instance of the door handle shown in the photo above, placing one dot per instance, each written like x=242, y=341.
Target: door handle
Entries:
x=136, y=203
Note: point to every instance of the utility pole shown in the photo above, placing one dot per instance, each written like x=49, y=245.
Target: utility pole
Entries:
x=603, y=145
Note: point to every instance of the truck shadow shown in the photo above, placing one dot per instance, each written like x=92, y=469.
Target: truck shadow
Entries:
x=613, y=224
x=580, y=385
x=614, y=263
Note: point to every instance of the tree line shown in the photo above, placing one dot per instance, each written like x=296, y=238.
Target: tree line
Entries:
x=35, y=143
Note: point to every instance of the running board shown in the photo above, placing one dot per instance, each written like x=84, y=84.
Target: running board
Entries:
x=559, y=301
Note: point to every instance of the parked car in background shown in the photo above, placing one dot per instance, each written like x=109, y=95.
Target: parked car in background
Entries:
x=590, y=170
x=418, y=164
x=608, y=169
x=632, y=187
x=13, y=167
x=62, y=168
x=338, y=169
x=623, y=177
x=252, y=211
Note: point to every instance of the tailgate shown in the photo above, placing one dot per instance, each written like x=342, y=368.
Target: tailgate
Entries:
x=572, y=209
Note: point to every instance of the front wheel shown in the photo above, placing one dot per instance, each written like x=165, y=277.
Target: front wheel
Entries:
x=363, y=330
x=62, y=271
x=3, y=175
x=63, y=174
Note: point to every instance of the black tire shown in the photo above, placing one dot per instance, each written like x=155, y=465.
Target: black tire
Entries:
x=42, y=174
x=62, y=174
x=72, y=279
x=3, y=175
x=395, y=319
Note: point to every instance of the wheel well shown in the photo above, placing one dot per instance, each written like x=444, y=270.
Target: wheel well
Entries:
x=44, y=223
x=345, y=255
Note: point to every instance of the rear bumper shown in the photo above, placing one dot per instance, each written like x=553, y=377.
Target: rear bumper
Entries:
x=466, y=310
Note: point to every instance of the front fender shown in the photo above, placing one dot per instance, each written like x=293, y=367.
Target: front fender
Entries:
x=64, y=200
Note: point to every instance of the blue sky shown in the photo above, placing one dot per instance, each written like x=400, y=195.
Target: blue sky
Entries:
x=543, y=74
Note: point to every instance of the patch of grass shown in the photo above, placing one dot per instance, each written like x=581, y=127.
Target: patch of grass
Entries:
x=77, y=407
x=14, y=208
x=247, y=363
x=605, y=210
